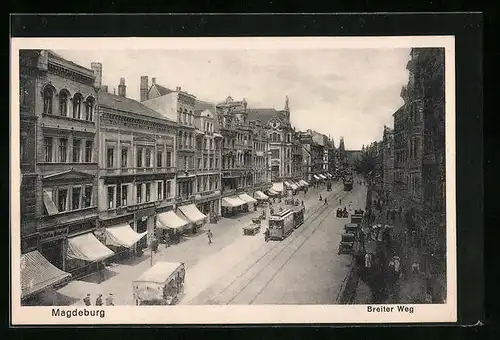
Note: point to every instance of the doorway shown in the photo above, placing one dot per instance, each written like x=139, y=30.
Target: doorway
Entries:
x=52, y=251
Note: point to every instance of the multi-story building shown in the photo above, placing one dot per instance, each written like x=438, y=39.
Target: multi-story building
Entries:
x=179, y=106
x=28, y=74
x=279, y=131
x=261, y=159
x=388, y=161
x=64, y=98
x=297, y=157
x=136, y=168
x=208, y=160
x=307, y=158
x=332, y=158
x=400, y=186
x=313, y=155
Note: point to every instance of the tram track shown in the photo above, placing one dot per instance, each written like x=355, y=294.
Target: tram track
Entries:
x=243, y=274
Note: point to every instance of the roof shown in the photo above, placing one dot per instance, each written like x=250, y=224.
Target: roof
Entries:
x=203, y=105
x=263, y=114
x=65, y=62
x=162, y=89
x=159, y=272
x=129, y=105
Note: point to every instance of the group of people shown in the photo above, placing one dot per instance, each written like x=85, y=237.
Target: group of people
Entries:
x=98, y=301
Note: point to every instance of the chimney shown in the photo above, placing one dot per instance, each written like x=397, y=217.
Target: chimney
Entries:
x=178, y=89
x=122, y=88
x=97, y=69
x=104, y=88
x=153, y=80
x=144, y=88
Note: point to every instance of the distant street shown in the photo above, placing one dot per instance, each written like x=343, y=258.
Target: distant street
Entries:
x=302, y=269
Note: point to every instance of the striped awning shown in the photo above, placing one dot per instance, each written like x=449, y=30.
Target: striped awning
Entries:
x=232, y=202
x=37, y=273
x=122, y=235
x=322, y=176
x=87, y=247
x=260, y=195
x=316, y=177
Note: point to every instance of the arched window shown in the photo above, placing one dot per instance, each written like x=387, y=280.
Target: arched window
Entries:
x=89, y=109
x=180, y=143
x=190, y=140
x=77, y=105
x=186, y=139
x=48, y=95
x=63, y=103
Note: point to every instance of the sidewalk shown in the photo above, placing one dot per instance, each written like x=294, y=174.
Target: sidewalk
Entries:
x=229, y=244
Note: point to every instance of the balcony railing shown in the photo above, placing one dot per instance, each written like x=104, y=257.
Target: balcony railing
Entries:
x=136, y=171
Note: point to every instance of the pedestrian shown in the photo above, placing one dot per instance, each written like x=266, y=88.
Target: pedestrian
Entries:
x=109, y=300
x=86, y=300
x=326, y=201
x=98, y=301
x=210, y=236
x=340, y=201
x=302, y=203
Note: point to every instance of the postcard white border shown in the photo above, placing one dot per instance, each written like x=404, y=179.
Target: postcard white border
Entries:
x=238, y=314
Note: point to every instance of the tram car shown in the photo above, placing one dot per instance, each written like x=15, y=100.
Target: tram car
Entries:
x=281, y=224
x=348, y=183
x=298, y=216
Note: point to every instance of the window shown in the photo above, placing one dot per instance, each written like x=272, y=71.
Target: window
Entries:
x=88, y=151
x=75, y=198
x=77, y=106
x=211, y=163
x=148, y=158
x=87, y=198
x=124, y=194
x=168, y=189
x=275, y=153
x=159, y=160
x=204, y=163
x=139, y=193
x=62, y=199
x=216, y=163
x=169, y=159
x=22, y=148
x=186, y=162
x=148, y=192
x=89, y=109
x=110, y=158
x=47, y=141
x=63, y=149
x=159, y=190
x=77, y=144
x=48, y=95
x=199, y=163
x=199, y=183
x=111, y=197
x=124, y=157
x=139, y=157
x=63, y=103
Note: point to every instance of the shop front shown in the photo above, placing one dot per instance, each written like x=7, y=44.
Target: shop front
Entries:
x=144, y=223
x=209, y=205
x=191, y=213
x=232, y=205
x=170, y=227
x=251, y=202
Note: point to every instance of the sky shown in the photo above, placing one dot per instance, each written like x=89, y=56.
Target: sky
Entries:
x=341, y=92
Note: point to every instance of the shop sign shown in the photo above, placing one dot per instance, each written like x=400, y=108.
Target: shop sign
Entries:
x=53, y=234
x=141, y=206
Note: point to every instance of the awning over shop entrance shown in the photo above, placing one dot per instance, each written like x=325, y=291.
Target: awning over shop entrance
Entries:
x=277, y=187
x=304, y=183
x=192, y=213
x=232, y=202
x=316, y=177
x=260, y=195
x=88, y=248
x=37, y=273
x=322, y=176
x=170, y=220
x=122, y=235
x=329, y=174
x=247, y=198
x=272, y=192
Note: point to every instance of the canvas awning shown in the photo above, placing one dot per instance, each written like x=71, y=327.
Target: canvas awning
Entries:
x=260, y=195
x=304, y=183
x=218, y=135
x=37, y=273
x=272, y=192
x=232, y=202
x=294, y=185
x=170, y=220
x=247, y=198
x=49, y=203
x=329, y=174
x=277, y=187
x=88, y=248
x=122, y=235
x=322, y=176
x=316, y=177
x=192, y=213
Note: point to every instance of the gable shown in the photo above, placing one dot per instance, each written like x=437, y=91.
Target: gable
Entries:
x=68, y=175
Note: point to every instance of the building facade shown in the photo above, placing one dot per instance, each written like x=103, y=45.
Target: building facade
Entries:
x=388, y=161
x=261, y=159
x=400, y=186
x=137, y=162
x=64, y=99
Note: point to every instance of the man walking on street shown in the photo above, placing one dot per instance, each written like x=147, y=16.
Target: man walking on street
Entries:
x=98, y=301
x=210, y=236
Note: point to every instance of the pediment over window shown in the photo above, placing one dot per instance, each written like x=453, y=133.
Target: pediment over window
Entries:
x=68, y=174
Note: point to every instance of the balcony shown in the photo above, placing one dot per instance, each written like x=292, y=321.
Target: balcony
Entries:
x=231, y=173
x=138, y=171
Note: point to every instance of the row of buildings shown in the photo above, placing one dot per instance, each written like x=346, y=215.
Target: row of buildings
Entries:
x=410, y=158
x=100, y=170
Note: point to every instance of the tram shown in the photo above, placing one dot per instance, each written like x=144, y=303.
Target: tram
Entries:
x=298, y=216
x=281, y=224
